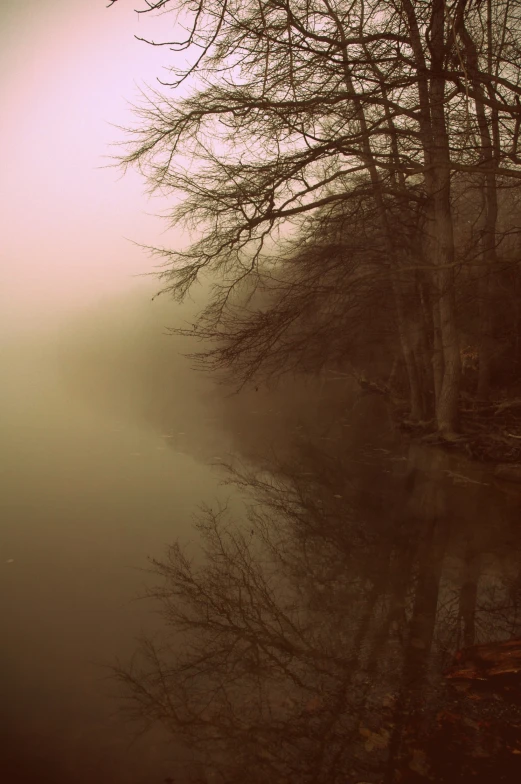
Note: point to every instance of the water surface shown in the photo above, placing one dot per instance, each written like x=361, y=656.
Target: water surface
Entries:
x=90, y=487
x=328, y=617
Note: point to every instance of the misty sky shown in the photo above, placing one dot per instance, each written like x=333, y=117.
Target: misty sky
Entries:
x=68, y=69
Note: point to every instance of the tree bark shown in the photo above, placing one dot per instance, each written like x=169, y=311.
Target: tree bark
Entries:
x=369, y=160
x=447, y=405
x=490, y=143
x=440, y=244
x=413, y=375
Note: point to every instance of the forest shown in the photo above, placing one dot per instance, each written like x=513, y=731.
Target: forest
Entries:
x=350, y=173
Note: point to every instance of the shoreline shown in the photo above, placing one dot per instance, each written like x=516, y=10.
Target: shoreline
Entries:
x=490, y=434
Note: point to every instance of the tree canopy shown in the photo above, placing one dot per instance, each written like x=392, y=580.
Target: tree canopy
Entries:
x=278, y=116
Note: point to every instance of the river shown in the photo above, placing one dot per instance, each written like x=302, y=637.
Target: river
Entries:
x=366, y=563
x=90, y=487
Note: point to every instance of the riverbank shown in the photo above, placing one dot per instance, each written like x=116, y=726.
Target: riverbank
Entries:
x=490, y=433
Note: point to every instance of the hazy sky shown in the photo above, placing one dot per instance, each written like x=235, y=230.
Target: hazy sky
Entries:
x=68, y=70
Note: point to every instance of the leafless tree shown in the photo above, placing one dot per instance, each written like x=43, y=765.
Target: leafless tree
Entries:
x=291, y=101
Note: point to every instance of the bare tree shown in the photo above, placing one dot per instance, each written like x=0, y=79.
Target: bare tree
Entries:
x=291, y=101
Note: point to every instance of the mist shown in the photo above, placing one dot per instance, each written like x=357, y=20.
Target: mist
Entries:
x=108, y=439
x=70, y=221
x=311, y=572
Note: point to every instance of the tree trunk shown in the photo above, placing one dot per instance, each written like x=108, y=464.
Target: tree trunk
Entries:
x=438, y=182
x=411, y=366
x=403, y=329
x=447, y=405
x=486, y=343
x=440, y=243
x=490, y=144
x=437, y=349
x=425, y=350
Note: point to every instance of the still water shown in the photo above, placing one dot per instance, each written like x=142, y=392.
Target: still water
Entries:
x=363, y=626
x=88, y=492
x=312, y=639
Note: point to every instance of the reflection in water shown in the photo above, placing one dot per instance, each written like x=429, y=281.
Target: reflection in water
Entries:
x=89, y=486
x=310, y=642
x=314, y=640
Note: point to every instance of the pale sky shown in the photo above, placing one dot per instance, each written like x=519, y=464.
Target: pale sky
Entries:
x=68, y=70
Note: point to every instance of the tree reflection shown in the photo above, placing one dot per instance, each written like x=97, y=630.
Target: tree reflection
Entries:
x=308, y=641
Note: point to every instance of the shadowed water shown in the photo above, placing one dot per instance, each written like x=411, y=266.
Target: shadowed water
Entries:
x=318, y=640
x=327, y=616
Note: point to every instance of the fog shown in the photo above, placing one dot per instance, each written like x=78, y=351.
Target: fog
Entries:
x=107, y=435
x=107, y=443
x=111, y=444
x=70, y=73
x=393, y=553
